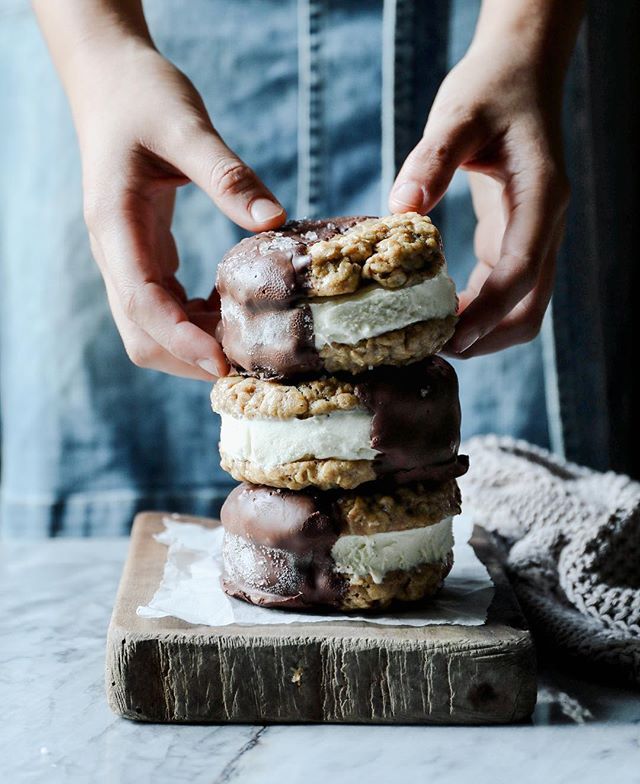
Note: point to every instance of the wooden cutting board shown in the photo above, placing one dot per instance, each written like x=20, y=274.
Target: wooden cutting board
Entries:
x=166, y=670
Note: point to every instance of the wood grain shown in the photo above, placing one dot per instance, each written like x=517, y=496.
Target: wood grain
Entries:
x=166, y=670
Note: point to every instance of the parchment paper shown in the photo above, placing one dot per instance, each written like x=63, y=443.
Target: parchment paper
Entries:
x=190, y=587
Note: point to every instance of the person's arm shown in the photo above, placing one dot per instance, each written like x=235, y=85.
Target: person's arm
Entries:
x=498, y=115
x=143, y=131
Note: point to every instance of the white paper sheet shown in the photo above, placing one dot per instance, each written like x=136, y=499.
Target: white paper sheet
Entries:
x=190, y=587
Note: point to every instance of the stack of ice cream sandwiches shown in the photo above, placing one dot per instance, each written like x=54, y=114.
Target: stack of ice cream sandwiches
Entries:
x=339, y=421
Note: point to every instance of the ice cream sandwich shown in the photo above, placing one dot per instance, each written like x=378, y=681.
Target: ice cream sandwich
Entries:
x=397, y=424
x=346, y=550
x=346, y=294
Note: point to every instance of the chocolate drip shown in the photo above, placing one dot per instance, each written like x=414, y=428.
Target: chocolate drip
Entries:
x=265, y=328
x=283, y=532
x=416, y=421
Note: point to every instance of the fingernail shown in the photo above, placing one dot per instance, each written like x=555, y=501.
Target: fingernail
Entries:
x=264, y=210
x=409, y=194
x=462, y=343
x=209, y=366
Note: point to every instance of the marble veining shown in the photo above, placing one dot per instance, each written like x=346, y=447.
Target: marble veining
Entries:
x=55, y=602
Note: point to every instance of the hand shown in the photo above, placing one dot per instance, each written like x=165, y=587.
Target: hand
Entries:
x=497, y=114
x=143, y=132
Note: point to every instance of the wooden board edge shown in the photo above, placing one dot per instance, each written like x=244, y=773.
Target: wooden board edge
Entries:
x=278, y=681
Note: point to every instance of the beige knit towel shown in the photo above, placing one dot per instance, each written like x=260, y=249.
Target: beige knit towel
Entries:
x=573, y=539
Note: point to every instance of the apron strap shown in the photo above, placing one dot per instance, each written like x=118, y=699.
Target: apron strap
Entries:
x=311, y=163
x=415, y=35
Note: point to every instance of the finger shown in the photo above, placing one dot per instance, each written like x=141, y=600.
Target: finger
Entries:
x=479, y=274
x=520, y=326
x=486, y=192
x=486, y=243
x=149, y=305
x=534, y=215
x=488, y=205
x=523, y=323
x=203, y=315
x=450, y=139
x=143, y=351
x=145, y=300
x=232, y=185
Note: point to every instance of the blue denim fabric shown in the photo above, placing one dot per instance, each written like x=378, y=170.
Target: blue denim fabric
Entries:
x=87, y=438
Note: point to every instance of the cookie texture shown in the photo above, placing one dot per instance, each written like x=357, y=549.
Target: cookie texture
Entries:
x=398, y=347
x=399, y=423
x=393, y=251
x=269, y=283
x=423, y=581
x=411, y=506
x=255, y=398
x=328, y=474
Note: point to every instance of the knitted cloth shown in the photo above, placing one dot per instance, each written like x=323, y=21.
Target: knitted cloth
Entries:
x=573, y=539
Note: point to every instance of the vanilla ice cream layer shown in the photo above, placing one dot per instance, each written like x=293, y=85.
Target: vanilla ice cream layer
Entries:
x=377, y=554
x=353, y=317
x=344, y=435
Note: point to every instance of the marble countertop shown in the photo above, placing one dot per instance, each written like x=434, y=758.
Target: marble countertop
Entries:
x=55, y=601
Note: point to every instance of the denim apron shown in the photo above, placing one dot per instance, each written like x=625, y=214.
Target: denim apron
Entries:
x=324, y=98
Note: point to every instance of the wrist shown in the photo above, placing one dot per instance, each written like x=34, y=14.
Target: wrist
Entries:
x=87, y=36
x=92, y=68
x=537, y=34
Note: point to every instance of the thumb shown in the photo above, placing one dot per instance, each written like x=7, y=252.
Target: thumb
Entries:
x=446, y=144
x=232, y=185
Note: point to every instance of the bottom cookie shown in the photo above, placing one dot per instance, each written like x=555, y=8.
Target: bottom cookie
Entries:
x=310, y=549
x=423, y=581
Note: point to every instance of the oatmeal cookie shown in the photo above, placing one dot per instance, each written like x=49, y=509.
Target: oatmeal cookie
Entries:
x=293, y=549
x=345, y=293
x=339, y=432
x=398, y=347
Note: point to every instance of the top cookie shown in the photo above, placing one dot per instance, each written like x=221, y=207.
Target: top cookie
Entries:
x=343, y=294
x=347, y=253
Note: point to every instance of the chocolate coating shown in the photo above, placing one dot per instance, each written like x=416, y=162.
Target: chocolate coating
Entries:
x=265, y=329
x=286, y=537
x=281, y=518
x=278, y=543
x=416, y=421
